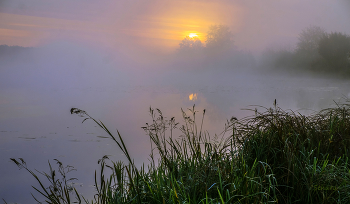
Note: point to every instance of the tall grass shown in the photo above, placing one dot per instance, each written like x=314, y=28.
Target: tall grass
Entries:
x=273, y=156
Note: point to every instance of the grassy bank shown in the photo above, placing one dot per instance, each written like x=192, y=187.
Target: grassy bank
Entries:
x=273, y=156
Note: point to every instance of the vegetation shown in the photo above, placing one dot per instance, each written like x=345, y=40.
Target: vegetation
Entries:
x=189, y=44
x=334, y=49
x=273, y=156
x=219, y=51
x=316, y=52
x=219, y=37
x=309, y=40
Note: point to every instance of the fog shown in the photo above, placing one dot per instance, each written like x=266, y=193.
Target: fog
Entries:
x=115, y=59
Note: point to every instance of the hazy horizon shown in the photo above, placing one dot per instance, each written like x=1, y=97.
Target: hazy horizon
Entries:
x=159, y=26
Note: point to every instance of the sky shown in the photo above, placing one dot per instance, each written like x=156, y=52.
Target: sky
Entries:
x=159, y=26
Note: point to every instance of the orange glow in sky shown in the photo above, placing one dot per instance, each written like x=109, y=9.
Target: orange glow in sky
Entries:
x=161, y=24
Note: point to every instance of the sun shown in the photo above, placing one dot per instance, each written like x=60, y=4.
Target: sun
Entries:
x=192, y=35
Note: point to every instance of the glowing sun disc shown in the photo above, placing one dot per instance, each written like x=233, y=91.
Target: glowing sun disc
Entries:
x=192, y=35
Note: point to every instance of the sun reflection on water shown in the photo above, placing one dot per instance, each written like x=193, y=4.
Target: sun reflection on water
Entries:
x=192, y=97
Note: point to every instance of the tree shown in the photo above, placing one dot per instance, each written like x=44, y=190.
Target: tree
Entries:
x=334, y=49
x=306, y=53
x=309, y=40
x=191, y=44
x=219, y=37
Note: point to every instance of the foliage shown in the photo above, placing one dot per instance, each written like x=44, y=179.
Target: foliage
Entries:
x=309, y=39
x=59, y=189
x=334, y=49
x=219, y=52
x=190, y=44
x=303, y=152
x=219, y=37
x=316, y=52
x=306, y=54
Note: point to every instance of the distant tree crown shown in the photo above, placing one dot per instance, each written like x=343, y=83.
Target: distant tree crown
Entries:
x=309, y=39
x=189, y=43
x=219, y=36
x=335, y=49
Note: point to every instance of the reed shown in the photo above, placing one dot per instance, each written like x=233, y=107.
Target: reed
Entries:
x=274, y=156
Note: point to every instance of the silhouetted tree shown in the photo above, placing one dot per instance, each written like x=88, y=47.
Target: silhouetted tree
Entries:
x=191, y=44
x=306, y=53
x=309, y=40
x=219, y=37
x=334, y=49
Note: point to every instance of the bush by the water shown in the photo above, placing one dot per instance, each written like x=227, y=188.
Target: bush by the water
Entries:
x=273, y=156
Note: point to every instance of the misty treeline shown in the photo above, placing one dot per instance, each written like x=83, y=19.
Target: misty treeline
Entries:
x=218, y=52
x=6, y=50
x=10, y=52
x=316, y=51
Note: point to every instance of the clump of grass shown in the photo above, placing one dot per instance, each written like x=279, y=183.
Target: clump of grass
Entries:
x=60, y=188
x=305, y=153
x=274, y=156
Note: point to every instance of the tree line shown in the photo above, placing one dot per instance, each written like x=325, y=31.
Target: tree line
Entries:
x=219, y=38
x=316, y=51
x=218, y=51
